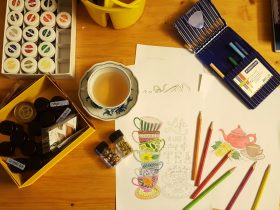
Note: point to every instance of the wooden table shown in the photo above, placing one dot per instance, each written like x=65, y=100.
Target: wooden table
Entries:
x=80, y=180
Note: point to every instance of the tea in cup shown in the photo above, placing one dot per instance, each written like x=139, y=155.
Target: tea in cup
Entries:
x=144, y=136
x=254, y=150
x=109, y=86
x=156, y=145
x=146, y=183
x=146, y=171
x=147, y=123
x=146, y=156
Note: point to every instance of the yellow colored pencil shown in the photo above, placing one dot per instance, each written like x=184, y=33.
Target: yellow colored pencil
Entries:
x=261, y=188
x=215, y=68
x=196, y=147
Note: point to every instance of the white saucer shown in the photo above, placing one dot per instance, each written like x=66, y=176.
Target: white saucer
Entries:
x=105, y=113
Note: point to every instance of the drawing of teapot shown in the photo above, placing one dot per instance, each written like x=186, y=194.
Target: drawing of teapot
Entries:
x=238, y=138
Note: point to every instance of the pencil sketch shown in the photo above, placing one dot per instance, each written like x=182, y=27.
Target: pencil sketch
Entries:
x=169, y=88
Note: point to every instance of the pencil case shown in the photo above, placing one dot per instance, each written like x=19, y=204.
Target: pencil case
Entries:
x=226, y=54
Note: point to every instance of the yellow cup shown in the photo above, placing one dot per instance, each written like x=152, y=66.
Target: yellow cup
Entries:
x=122, y=15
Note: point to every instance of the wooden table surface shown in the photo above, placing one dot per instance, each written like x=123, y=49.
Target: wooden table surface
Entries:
x=80, y=180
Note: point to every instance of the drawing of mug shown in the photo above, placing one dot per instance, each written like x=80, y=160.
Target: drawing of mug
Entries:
x=146, y=171
x=146, y=183
x=147, y=123
x=152, y=165
x=146, y=156
x=155, y=145
x=254, y=150
x=144, y=136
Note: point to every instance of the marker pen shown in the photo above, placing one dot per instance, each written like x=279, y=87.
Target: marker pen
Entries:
x=12, y=49
x=46, y=49
x=15, y=18
x=46, y=65
x=11, y=65
x=30, y=34
x=33, y=5
x=29, y=49
x=47, y=34
x=31, y=18
x=14, y=33
x=63, y=20
x=29, y=65
x=47, y=19
x=16, y=5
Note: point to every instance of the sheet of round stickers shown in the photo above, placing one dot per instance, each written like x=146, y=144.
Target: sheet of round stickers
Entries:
x=31, y=35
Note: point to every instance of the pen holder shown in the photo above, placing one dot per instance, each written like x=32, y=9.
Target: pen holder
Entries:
x=122, y=15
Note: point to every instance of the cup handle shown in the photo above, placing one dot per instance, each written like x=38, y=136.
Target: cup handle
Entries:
x=134, y=155
x=137, y=171
x=161, y=165
x=133, y=137
x=162, y=144
x=135, y=122
x=132, y=181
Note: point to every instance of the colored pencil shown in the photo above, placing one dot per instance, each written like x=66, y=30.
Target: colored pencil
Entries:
x=241, y=48
x=237, y=50
x=209, y=189
x=241, y=186
x=203, y=155
x=196, y=146
x=215, y=68
x=232, y=61
x=210, y=175
x=261, y=188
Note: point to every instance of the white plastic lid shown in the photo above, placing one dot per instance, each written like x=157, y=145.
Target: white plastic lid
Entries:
x=11, y=65
x=16, y=5
x=63, y=20
x=31, y=18
x=46, y=49
x=29, y=65
x=46, y=65
x=30, y=34
x=47, y=34
x=15, y=18
x=33, y=5
x=14, y=33
x=47, y=19
x=29, y=49
x=49, y=5
x=12, y=49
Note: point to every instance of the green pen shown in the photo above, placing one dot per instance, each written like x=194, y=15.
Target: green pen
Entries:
x=232, y=61
x=209, y=189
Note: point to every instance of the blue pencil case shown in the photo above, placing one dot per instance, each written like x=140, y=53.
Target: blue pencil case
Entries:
x=226, y=54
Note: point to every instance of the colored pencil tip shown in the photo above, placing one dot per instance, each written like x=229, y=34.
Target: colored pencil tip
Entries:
x=254, y=164
x=232, y=169
x=199, y=115
x=211, y=125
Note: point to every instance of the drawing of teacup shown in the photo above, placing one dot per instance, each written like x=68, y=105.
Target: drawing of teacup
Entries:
x=146, y=171
x=144, y=136
x=147, y=123
x=254, y=150
x=155, y=145
x=146, y=156
x=146, y=183
x=152, y=165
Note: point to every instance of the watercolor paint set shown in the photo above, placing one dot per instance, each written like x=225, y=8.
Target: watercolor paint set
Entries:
x=225, y=53
x=39, y=38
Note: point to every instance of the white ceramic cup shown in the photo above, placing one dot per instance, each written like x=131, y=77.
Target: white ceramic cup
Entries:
x=109, y=86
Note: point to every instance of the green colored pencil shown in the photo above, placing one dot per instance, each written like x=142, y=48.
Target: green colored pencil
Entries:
x=208, y=189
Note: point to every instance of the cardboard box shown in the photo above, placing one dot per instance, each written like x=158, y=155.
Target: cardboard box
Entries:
x=65, y=44
x=44, y=87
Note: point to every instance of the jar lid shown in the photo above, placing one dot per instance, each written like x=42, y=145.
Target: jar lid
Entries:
x=29, y=49
x=34, y=128
x=41, y=104
x=63, y=20
x=30, y=34
x=8, y=127
x=47, y=119
x=15, y=18
x=7, y=149
x=28, y=148
x=47, y=34
x=11, y=65
x=12, y=49
x=33, y=5
x=115, y=136
x=31, y=18
x=46, y=65
x=14, y=33
x=16, y=5
x=101, y=147
x=49, y=5
x=47, y=19
x=19, y=137
x=29, y=65
x=46, y=49
x=25, y=112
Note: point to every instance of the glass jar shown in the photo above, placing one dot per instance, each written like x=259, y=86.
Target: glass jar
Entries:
x=123, y=147
x=109, y=157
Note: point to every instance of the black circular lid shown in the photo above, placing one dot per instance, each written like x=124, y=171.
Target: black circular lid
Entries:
x=101, y=147
x=8, y=127
x=19, y=137
x=42, y=104
x=7, y=149
x=35, y=163
x=115, y=135
x=47, y=119
x=28, y=148
x=34, y=128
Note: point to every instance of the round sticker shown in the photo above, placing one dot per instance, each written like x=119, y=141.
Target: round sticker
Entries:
x=30, y=34
x=11, y=65
x=29, y=65
x=31, y=18
x=16, y=5
x=12, y=49
x=15, y=18
x=46, y=65
x=33, y=5
x=29, y=49
x=49, y=5
x=46, y=49
x=47, y=34
x=63, y=20
x=14, y=33
x=48, y=19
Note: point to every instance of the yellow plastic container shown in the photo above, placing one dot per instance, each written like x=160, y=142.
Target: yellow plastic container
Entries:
x=122, y=15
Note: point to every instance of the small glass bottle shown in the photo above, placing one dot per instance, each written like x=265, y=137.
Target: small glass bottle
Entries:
x=122, y=146
x=107, y=154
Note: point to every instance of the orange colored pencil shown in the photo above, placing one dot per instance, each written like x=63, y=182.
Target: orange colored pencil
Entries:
x=203, y=155
x=196, y=146
x=241, y=186
x=210, y=175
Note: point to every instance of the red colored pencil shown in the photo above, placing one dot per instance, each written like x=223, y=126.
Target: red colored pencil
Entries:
x=241, y=186
x=203, y=155
x=210, y=175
